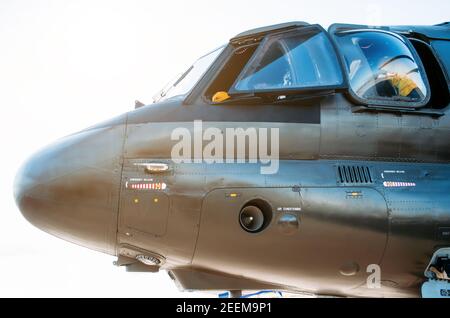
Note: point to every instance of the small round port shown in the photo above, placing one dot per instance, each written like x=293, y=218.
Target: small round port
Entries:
x=255, y=216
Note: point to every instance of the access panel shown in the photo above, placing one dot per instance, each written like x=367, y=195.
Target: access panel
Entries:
x=315, y=236
x=144, y=208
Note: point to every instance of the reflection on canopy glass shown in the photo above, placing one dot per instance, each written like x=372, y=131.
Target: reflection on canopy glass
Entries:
x=297, y=59
x=381, y=67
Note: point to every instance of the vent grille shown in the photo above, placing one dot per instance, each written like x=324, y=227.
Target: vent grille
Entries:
x=354, y=174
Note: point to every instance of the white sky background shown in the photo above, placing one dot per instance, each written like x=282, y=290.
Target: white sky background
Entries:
x=65, y=65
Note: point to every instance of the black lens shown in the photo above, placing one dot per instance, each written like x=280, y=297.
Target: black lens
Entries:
x=251, y=218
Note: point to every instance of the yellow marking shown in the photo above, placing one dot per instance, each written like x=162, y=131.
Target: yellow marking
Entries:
x=220, y=97
x=233, y=195
x=136, y=201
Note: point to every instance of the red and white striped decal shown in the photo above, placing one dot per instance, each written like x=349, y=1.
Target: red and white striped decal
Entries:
x=147, y=186
x=392, y=184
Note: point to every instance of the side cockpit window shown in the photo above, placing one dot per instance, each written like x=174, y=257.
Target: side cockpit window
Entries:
x=382, y=68
x=297, y=59
x=443, y=49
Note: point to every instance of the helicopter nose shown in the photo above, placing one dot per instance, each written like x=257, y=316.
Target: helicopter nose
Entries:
x=71, y=188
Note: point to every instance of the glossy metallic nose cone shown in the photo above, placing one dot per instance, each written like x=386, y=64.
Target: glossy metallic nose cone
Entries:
x=71, y=188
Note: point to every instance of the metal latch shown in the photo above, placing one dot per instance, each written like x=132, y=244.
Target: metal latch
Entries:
x=154, y=167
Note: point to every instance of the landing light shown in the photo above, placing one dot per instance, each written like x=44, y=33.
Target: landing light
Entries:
x=148, y=260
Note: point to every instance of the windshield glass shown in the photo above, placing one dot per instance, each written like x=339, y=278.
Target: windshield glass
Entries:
x=184, y=82
x=291, y=60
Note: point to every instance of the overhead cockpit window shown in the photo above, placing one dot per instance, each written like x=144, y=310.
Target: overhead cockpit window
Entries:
x=381, y=67
x=299, y=59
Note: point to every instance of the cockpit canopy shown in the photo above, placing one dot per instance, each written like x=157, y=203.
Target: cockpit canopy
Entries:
x=376, y=66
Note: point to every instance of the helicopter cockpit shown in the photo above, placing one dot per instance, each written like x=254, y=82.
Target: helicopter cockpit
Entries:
x=375, y=67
